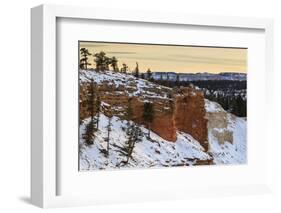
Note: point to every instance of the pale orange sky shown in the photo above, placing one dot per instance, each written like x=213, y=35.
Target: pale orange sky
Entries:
x=181, y=59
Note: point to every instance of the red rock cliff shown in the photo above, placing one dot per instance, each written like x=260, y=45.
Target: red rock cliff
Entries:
x=190, y=115
x=183, y=111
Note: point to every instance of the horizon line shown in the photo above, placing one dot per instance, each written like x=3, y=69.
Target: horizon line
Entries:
x=236, y=72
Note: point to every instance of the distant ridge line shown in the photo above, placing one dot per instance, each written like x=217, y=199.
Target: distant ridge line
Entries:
x=173, y=76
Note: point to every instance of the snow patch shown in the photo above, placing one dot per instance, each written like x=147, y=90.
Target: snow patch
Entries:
x=154, y=152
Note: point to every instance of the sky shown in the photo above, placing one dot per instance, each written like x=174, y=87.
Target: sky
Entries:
x=172, y=58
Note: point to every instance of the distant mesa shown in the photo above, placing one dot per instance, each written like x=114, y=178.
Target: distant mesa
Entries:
x=226, y=76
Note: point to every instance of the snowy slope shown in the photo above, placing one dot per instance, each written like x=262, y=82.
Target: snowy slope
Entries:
x=228, y=153
x=157, y=152
x=134, y=86
x=231, y=153
x=148, y=153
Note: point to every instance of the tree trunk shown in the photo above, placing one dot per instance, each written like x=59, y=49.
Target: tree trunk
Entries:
x=108, y=143
x=98, y=119
x=149, y=130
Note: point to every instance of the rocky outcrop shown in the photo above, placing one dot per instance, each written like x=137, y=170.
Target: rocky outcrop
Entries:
x=163, y=123
x=181, y=116
x=190, y=115
x=174, y=110
x=218, y=121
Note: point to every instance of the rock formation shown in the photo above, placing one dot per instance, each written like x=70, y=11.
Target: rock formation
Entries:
x=190, y=115
x=183, y=110
x=183, y=120
x=218, y=121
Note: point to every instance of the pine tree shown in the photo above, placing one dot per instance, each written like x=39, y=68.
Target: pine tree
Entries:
x=93, y=108
x=88, y=136
x=241, y=109
x=149, y=74
x=137, y=72
x=102, y=61
x=161, y=78
x=129, y=111
x=171, y=102
x=84, y=58
x=148, y=115
x=91, y=127
x=91, y=97
x=108, y=62
x=114, y=64
x=178, y=80
x=108, y=134
x=124, y=68
x=134, y=135
x=97, y=109
x=168, y=80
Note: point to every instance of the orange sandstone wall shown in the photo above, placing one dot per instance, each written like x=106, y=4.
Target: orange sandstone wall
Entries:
x=188, y=114
x=163, y=123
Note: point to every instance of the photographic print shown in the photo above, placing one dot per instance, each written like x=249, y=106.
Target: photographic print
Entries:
x=156, y=106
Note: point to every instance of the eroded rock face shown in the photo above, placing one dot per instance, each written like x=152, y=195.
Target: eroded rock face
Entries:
x=165, y=127
x=163, y=123
x=222, y=136
x=218, y=122
x=183, y=110
x=190, y=115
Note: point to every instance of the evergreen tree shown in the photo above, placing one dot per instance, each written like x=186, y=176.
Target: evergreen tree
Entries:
x=108, y=63
x=178, y=80
x=91, y=127
x=148, y=115
x=137, y=72
x=129, y=111
x=109, y=125
x=171, y=102
x=97, y=109
x=91, y=97
x=102, y=61
x=114, y=64
x=88, y=136
x=134, y=135
x=149, y=74
x=167, y=80
x=241, y=108
x=124, y=68
x=84, y=58
x=161, y=79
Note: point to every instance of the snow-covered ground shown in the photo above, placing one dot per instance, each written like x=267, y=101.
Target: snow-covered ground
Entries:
x=157, y=152
x=134, y=86
x=231, y=153
x=228, y=153
x=147, y=153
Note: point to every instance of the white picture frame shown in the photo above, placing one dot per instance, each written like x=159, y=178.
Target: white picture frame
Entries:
x=44, y=169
